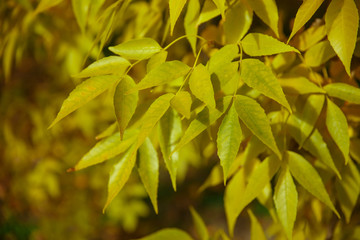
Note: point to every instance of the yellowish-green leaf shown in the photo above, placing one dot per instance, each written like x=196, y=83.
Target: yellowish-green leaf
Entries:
x=137, y=49
x=308, y=177
x=257, y=232
x=267, y=11
x=220, y=4
x=81, y=11
x=190, y=22
x=182, y=103
x=200, y=226
x=120, y=174
x=156, y=60
x=203, y=120
x=208, y=11
x=343, y=91
x=348, y=189
x=355, y=149
x=148, y=169
x=337, y=126
x=260, y=77
x=319, y=54
x=286, y=199
x=125, y=104
x=305, y=12
x=107, y=132
x=83, y=93
x=175, y=6
x=228, y=140
x=107, y=148
x=254, y=117
x=310, y=37
x=164, y=73
x=169, y=134
x=257, y=44
x=201, y=86
x=283, y=62
x=299, y=85
x=168, y=233
x=342, y=21
x=46, y=4
x=106, y=65
x=238, y=21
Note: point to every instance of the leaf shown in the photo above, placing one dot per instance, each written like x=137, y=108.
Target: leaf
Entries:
x=337, y=126
x=137, y=49
x=169, y=134
x=125, y=104
x=46, y=4
x=200, y=226
x=175, y=7
x=106, y=65
x=319, y=54
x=107, y=148
x=308, y=177
x=305, y=12
x=107, y=132
x=260, y=77
x=254, y=117
x=257, y=44
x=267, y=11
x=81, y=11
x=148, y=169
x=120, y=174
x=220, y=4
x=203, y=120
x=164, y=73
x=286, y=200
x=201, y=86
x=182, y=103
x=168, y=233
x=310, y=37
x=342, y=21
x=83, y=93
x=299, y=85
x=156, y=60
x=190, y=22
x=237, y=22
x=228, y=140
x=257, y=232
x=343, y=91
x=208, y=11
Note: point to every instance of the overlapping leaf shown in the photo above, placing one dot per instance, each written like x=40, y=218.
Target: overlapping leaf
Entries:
x=343, y=91
x=137, y=49
x=319, y=54
x=190, y=22
x=201, y=86
x=182, y=103
x=156, y=60
x=175, y=7
x=238, y=21
x=267, y=11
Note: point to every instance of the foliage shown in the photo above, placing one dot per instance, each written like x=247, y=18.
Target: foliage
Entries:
x=215, y=83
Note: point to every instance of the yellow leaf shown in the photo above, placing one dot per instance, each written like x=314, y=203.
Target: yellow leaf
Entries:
x=319, y=54
x=257, y=232
x=175, y=7
x=81, y=11
x=310, y=37
x=156, y=60
x=342, y=21
x=199, y=225
x=305, y=12
x=220, y=4
x=167, y=233
x=208, y=11
x=182, y=103
x=137, y=49
x=267, y=11
x=343, y=91
x=46, y=4
x=201, y=86
x=107, y=132
x=190, y=22
x=299, y=85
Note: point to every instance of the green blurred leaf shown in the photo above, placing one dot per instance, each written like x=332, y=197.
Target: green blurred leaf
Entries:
x=308, y=177
x=190, y=22
x=343, y=91
x=208, y=11
x=267, y=11
x=182, y=103
x=137, y=49
x=201, y=86
x=168, y=233
x=46, y=4
x=200, y=226
x=148, y=169
x=81, y=11
x=299, y=85
x=342, y=22
x=319, y=54
x=310, y=37
x=175, y=6
x=257, y=232
x=83, y=93
x=156, y=60
x=220, y=4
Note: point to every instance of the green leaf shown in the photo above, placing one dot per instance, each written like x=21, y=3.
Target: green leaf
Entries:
x=148, y=169
x=175, y=7
x=190, y=22
x=169, y=134
x=267, y=11
x=107, y=148
x=299, y=85
x=220, y=4
x=286, y=200
x=305, y=12
x=237, y=22
x=342, y=21
x=308, y=177
x=137, y=49
x=182, y=103
x=260, y=77
x=257, y=44
x=254, y=117
x=337, y=126
x=156, y=60
x=203, y=120
x=168, y=233
x=228, y=140
x=343, y=91
x=164, y=73
x=125, y=104
x=319, y=54
x=120, y=174
x=257, y=232
x=200, y=226
x=106, y=65
x=81, y=11
x=83, y=93
x=201, y=86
